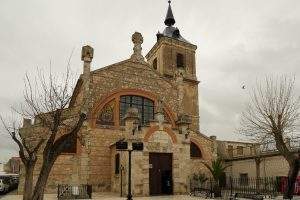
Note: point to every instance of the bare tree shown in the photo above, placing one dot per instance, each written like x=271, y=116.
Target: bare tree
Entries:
x=273, y=116
x=46, y=102
x=27, y=152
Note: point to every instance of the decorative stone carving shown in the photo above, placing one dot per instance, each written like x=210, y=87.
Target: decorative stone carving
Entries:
x=87, y=53
x=132, y=113
x=137, y=40
x=159, y=115
x=106, y=116
x=183, y=122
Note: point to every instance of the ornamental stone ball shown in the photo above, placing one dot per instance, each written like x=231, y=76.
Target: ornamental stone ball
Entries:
x=87, y=53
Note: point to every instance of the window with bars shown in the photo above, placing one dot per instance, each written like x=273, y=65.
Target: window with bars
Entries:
x=145, y=107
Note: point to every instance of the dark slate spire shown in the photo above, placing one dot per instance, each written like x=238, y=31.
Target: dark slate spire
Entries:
x=169, y=21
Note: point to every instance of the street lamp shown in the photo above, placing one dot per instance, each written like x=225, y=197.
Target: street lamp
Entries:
x=122, y=169
x=135, y=146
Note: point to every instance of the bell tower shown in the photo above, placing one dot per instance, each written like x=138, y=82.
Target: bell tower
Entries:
x=172, y=52
x=173, y=57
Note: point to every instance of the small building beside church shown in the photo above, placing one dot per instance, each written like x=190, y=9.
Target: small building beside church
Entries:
x=151, y=99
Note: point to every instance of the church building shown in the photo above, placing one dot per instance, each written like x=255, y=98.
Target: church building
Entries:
x=151, y=99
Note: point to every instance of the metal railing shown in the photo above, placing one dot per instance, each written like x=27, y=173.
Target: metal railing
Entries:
x=243, y=187
x=74, y=191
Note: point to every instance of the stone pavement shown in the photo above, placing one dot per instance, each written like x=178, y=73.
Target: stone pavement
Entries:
x=116, y=197
x=111, y=197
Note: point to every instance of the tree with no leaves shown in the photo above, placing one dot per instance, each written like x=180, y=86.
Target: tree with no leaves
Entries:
x=55, y=125
x=27, y=152
x=273, y=116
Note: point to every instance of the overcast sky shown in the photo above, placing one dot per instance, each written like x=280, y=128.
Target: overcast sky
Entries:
x=239, y=41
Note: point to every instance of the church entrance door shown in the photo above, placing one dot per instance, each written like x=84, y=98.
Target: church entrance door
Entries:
x=160, y=173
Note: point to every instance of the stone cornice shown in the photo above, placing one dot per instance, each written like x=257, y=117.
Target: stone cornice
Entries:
x=170, y=41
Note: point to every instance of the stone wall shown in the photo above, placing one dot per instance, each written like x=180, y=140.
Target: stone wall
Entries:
x=270, y=166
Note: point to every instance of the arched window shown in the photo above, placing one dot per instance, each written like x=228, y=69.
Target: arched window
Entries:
x=144, y=105
x=195, y=152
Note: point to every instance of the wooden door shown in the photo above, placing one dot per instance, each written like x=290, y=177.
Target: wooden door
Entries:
x=160, y=173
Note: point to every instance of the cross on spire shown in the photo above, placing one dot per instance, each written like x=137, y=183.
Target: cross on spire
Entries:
x=169, y=21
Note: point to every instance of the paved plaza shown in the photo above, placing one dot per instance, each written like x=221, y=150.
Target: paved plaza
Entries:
x=111, y=197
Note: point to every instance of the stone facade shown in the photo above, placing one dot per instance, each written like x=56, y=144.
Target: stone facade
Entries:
x=174, y=93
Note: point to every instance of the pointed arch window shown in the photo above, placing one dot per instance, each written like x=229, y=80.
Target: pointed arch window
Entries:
x=195, y=151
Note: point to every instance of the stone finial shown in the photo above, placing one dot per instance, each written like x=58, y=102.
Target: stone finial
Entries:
x=131, y=119
x=183, y=123
x=179, y=76
x=87, y=53
x=159, y=114
x=137, y=40
x=213, y=137
x=184, y=119
x=132, y=113
x=159, y=107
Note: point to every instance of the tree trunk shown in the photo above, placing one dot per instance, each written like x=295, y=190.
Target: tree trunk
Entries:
x=292, y=176
x=27, y=193
x=42, y=179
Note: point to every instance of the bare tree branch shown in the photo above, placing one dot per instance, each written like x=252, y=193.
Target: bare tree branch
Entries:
x=273, y=116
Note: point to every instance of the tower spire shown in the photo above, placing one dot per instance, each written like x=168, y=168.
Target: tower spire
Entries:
x=169, y=21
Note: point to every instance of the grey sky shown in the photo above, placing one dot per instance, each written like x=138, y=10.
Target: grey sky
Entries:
x=238, y=42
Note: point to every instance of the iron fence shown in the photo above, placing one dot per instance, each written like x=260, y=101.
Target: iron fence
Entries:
x=74, y=192
x=255, y=188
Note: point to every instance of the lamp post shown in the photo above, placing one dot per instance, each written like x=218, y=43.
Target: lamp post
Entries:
x=129, y=195
x=135, y=146
x=122, y=169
